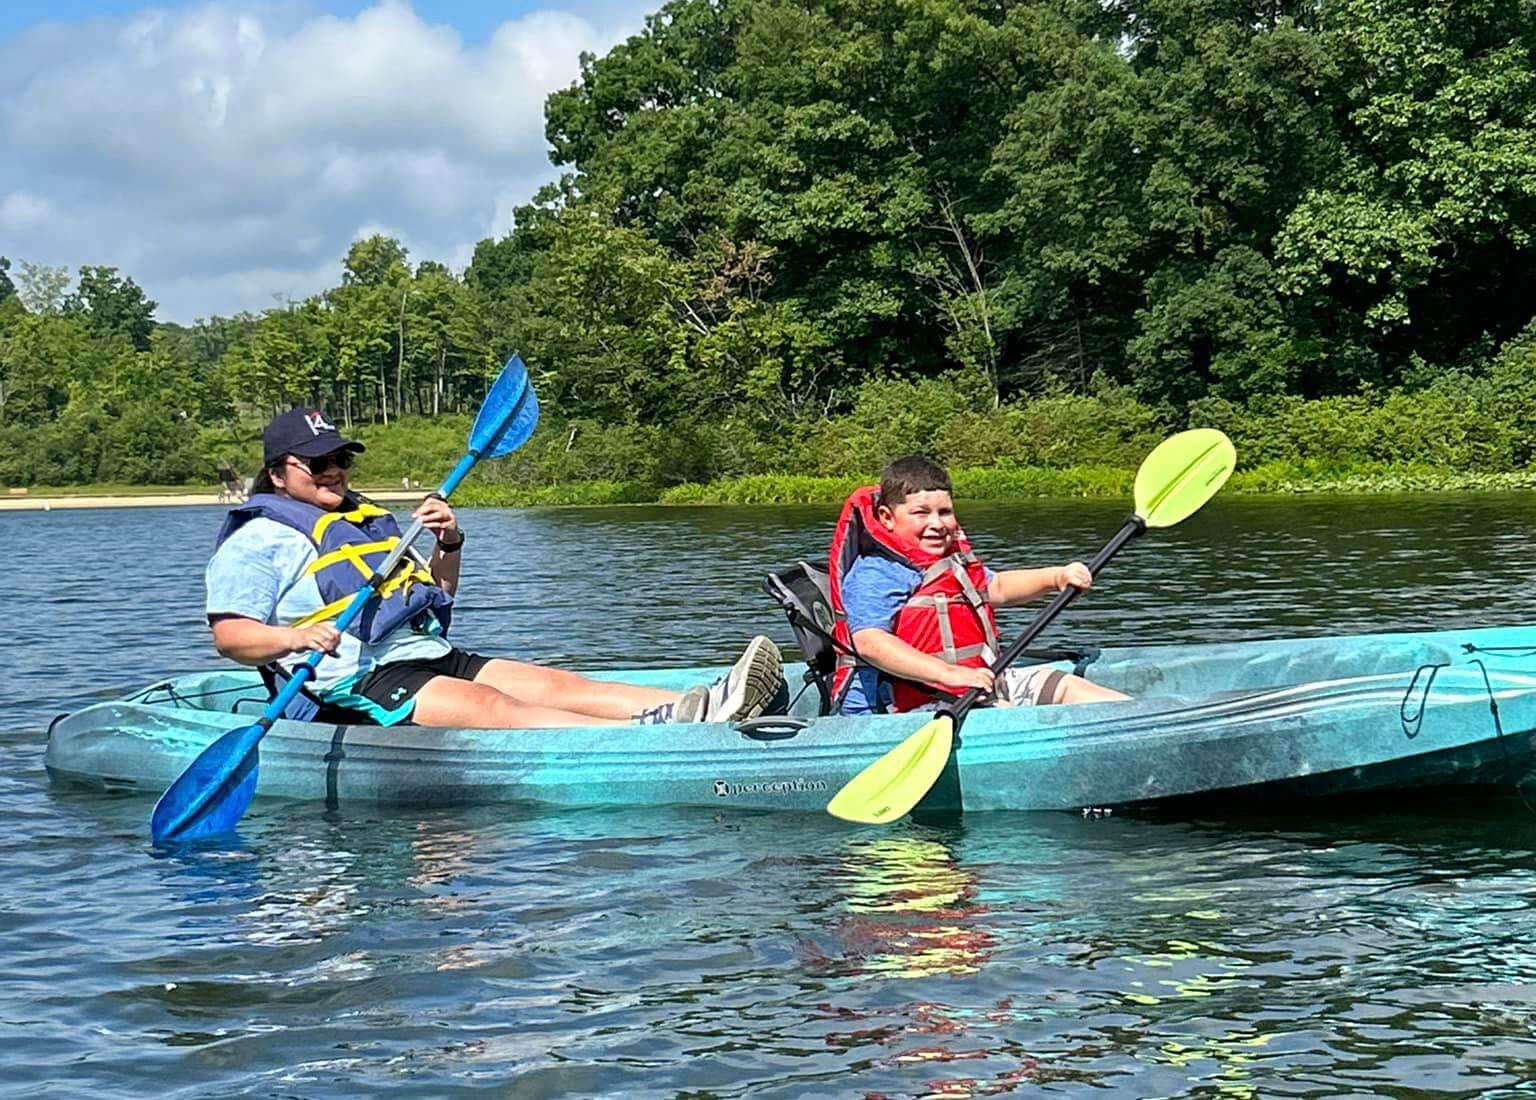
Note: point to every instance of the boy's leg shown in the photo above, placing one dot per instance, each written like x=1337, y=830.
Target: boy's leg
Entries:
x=1042, y=685
x=1075, y=689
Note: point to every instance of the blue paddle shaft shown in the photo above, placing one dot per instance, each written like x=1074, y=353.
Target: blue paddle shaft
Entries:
x=466, y=464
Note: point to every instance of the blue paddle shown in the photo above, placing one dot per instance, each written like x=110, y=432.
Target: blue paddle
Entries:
x=210, y=796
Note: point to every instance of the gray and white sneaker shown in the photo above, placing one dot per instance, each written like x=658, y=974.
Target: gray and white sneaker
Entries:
x=749, y=686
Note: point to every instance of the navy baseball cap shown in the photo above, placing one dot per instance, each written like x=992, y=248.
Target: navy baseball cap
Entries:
x=303, y=432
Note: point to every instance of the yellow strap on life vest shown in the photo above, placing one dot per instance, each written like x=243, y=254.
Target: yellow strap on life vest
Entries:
x=363, y=511
x=401, y=581
x=330, y=611
x=406, y=573
x=354, y=552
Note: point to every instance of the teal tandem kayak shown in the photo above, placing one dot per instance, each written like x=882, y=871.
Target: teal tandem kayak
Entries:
x=1287, y=718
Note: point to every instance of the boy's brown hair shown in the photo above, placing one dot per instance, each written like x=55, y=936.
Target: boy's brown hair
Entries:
x=912, y=474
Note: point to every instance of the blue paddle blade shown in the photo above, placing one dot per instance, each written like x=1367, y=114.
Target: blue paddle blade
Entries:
x=509, y=414
x=209, y=797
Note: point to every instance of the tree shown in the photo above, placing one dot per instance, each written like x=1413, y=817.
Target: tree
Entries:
x=375, y=261
x=1420, y=238
x=41, y=288
x=830, y=133
x=112, y=305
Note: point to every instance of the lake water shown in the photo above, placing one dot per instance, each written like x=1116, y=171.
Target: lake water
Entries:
x=1343, y=950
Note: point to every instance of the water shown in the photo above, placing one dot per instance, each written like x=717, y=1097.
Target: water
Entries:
x=516, y=951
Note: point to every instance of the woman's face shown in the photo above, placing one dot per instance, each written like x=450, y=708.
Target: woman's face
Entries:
x=321, y=481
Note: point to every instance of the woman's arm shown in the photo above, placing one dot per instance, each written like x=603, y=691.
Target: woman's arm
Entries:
x=437, y=517
x=253, y=643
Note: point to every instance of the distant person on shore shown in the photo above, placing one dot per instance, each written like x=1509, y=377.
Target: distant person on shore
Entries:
x=916, y=604
x=290, y=559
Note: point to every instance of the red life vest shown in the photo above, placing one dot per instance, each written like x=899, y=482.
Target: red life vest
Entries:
x=948, y=615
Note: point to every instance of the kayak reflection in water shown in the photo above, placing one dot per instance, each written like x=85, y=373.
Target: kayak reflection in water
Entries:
x=291, y=558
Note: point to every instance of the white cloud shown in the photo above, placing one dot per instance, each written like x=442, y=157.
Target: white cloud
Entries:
x=20, y=212
x=224, y=154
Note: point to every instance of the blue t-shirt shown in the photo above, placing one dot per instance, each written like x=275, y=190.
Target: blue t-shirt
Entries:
x=259, y=572
x=874, y=592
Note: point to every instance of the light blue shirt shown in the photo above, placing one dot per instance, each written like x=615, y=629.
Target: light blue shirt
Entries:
x=260, y=572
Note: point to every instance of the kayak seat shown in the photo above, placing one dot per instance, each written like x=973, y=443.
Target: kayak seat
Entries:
x=804, y=592
x=307, y=707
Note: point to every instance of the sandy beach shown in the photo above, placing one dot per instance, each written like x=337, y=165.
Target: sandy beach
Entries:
x=43, y=503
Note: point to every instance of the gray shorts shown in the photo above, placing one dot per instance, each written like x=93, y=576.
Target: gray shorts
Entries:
x=1033, y=685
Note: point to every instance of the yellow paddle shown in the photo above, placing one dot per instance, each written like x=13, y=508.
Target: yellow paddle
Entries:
x=1175, y=480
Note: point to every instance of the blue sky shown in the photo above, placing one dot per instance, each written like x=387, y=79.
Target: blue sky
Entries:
x=225, y=153
x=473, y=20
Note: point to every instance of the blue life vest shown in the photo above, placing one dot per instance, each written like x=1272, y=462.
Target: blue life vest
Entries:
x=350, y=544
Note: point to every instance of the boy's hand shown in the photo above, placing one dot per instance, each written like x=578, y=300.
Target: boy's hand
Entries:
x=1074, y=575
x=961, y=677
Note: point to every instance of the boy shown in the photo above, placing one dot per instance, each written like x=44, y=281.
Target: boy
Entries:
x=916, y=604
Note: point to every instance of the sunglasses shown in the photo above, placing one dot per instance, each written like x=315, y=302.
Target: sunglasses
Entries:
x=341, y=460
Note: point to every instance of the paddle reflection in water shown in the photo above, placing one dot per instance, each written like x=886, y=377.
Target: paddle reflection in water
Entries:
x=912, y=910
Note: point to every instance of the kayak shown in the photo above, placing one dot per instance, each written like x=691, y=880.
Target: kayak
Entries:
x=1287, y=718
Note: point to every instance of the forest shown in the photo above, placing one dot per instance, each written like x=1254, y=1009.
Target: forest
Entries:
x=796, y=238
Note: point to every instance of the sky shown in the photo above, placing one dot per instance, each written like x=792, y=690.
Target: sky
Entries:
x=225, y=153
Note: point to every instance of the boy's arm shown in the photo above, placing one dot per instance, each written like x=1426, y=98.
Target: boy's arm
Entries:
x=1018, y=586
x=895, y=657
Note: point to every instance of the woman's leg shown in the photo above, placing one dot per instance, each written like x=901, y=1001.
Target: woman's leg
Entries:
x=536, y=685
x=447, y=701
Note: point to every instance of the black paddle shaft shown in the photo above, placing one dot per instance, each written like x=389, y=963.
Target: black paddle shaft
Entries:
x=1133, y=527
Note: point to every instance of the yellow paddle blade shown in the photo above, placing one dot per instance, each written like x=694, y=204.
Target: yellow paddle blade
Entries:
x=897, y=781
x=1181, y=474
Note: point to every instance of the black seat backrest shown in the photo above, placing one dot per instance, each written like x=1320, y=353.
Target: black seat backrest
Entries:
x=805, y=594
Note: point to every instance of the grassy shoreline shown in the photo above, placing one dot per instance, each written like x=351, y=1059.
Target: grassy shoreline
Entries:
x=971, y=483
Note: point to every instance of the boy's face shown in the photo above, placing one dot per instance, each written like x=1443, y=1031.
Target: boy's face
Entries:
x=924, y=520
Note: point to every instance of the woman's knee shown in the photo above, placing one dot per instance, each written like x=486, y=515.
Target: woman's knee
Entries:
x=532, y=683
x=446, y=701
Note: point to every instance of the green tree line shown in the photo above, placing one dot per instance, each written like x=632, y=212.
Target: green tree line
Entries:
x=796, y=237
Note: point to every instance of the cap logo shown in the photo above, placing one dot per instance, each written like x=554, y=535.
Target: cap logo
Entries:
x=317, y=422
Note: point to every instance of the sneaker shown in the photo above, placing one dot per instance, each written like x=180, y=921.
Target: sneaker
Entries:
x=749, y=686
x=692, y=707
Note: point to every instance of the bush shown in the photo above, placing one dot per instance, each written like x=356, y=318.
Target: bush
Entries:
x=1457, y=423
x=1109, y=428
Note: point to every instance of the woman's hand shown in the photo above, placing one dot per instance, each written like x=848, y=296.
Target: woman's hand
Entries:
x=1073, y=575
x=437, y=517
x=319, y=638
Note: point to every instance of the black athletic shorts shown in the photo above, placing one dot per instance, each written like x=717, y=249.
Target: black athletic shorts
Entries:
x=388, y=693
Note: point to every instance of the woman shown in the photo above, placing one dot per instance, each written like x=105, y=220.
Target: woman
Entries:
x=291, y=557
